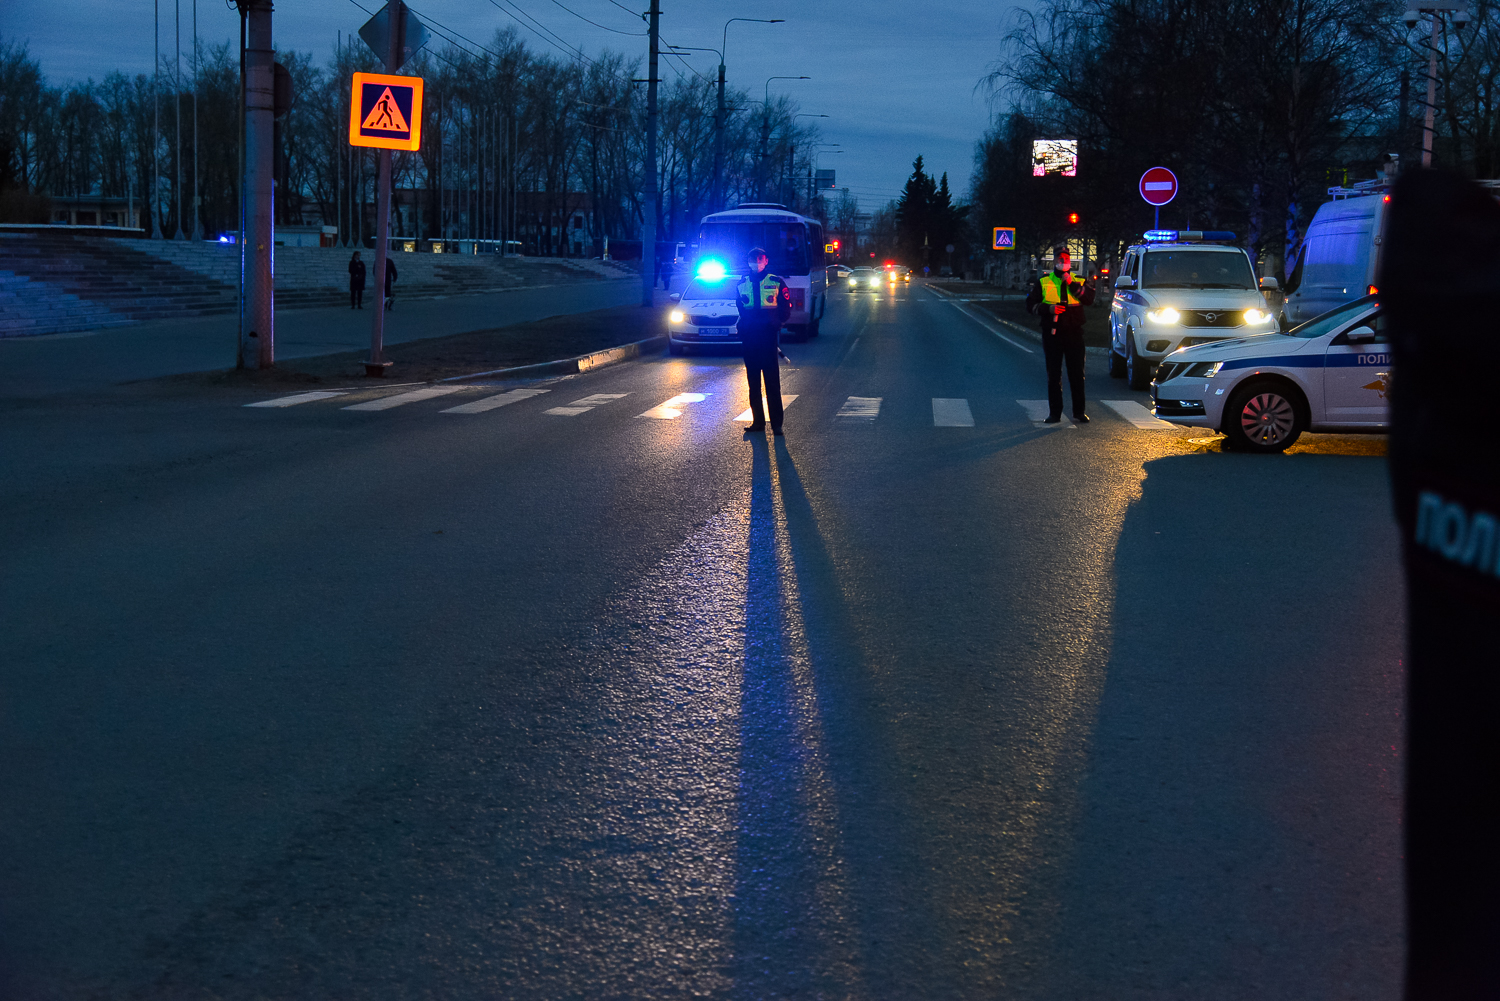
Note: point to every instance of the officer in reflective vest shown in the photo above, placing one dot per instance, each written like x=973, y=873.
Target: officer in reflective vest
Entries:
x=765, y=304
x=1058, y=298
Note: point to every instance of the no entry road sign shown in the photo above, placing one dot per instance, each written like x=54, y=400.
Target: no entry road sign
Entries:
x=386, y=111
x=1005, y=238
x=1158, y=186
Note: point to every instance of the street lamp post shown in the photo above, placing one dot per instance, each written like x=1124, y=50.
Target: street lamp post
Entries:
x=791, y=163
x=721, y=114
x=765, y=131
x=1460, y=11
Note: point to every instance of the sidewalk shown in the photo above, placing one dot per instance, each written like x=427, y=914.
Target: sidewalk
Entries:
x=80, y=363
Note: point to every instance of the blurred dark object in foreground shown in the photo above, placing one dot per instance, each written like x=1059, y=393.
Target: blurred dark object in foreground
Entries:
x=1440, y=283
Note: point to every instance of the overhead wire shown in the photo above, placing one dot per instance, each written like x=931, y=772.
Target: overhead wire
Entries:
x=637, y=34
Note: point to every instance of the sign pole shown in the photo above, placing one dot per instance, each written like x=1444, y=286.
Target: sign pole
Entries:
x=377, y=364
x=648, y=222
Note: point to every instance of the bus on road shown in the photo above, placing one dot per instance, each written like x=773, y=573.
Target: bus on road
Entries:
x=793, y=242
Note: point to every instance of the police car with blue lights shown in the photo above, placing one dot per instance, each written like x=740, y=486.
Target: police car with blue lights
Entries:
x=1178, y=289
x=1331, y=374
x=705, y=314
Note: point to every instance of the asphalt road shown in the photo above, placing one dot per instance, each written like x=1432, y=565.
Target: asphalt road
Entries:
x=314, y=702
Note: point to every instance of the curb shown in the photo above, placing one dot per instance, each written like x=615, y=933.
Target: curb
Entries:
x=571, y=366
x=1035, y=336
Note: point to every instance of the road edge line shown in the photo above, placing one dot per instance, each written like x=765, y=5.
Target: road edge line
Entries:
x=1035, y=336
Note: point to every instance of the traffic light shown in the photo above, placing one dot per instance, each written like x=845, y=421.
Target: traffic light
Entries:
x=1072, y=218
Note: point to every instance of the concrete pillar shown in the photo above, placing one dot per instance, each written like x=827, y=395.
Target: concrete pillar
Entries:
x=260, y=236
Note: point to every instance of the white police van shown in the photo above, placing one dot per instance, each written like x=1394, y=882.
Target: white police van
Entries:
x=1330, y=374
x=1179, y=289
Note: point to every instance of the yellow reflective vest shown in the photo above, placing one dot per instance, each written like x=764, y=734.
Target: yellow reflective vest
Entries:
x=1053, y=290
x=761, y=294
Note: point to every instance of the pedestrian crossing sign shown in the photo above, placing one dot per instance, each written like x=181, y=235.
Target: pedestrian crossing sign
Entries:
x=1005, y=238
x=386, y=111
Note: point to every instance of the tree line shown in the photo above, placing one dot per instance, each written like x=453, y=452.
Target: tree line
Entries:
x=515, y=143
x=1258, y=106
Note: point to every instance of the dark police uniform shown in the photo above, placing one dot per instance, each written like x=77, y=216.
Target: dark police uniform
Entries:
x=1062, y=336
x=765, y=304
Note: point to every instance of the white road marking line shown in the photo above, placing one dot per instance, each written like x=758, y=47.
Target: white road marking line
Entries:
x=951, y=413
x=586, y=404
x=1139, y=415
x=491, y=402
x=401, y=399
x=672, y=409
x=1037, y=411
x=988, y=326
x=861, y=407
x=292, y=401
x=786, y=400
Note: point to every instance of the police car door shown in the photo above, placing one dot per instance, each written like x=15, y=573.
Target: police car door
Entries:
x=1357, y=374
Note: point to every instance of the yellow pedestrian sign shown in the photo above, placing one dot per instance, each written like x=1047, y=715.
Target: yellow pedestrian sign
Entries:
x=386, y=111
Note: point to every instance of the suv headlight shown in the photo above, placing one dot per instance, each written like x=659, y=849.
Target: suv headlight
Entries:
x=1164, y=315
x=1257, y=316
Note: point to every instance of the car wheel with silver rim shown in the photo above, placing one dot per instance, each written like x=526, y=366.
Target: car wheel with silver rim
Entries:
x=1263, y=417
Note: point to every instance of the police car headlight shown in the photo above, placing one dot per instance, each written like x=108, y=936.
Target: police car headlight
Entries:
x=677, y=316
x=1257, y=316
x=1203, y=370
x=1164, y=315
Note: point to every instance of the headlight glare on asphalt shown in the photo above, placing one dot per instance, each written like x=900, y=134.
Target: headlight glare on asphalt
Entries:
x=1164, y=315
x=677, y=316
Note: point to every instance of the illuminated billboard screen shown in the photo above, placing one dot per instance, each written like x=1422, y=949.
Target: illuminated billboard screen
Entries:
x=1054, y=156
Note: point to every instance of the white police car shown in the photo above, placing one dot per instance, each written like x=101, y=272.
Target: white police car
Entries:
x=1330, y=374
x=706, y=313
x=1179, y=289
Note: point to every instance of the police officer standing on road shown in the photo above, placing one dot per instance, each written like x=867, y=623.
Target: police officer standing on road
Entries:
x=765, y=304
x=1058, y=298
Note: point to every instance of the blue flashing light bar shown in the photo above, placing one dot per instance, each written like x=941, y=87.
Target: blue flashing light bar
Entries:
x=712, y=271
x=1189, y=236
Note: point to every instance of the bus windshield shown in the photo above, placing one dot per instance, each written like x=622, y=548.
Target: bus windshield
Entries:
x=785, y=243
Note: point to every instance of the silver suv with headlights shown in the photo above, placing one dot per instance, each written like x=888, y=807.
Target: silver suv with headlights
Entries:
x=1180, y=289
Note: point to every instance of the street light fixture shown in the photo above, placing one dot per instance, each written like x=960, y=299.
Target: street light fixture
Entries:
x=1461, y=18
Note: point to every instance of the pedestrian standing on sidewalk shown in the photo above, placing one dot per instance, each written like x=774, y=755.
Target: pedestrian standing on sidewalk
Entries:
x=765, y=304
x=1058, y=298
x=390, y=279
x=356, y=282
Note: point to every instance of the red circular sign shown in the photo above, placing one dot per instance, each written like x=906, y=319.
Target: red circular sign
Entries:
x=1158, y=185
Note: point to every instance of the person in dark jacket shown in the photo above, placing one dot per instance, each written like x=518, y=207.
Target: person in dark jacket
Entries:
x=765, y=304
x=1058, y=298
x=390, y=279
x=356, y=282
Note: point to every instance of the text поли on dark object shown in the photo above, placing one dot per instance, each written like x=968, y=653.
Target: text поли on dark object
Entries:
x=1445, y=474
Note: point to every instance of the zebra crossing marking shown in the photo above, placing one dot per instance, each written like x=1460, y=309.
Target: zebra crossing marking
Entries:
x=672, y=409
x=402, y=399
x=586, y=404
x=951, y=413
x=865, y=408
x=745, y=417
x=491, y=402
x=1139, y=415
x=292, y=401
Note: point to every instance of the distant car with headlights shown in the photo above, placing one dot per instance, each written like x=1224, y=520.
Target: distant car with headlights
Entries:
x=864, y=278
x=837, y=273
x=897, y=273
x=705, y=314
x=1331, y=374
x=1178, y=289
